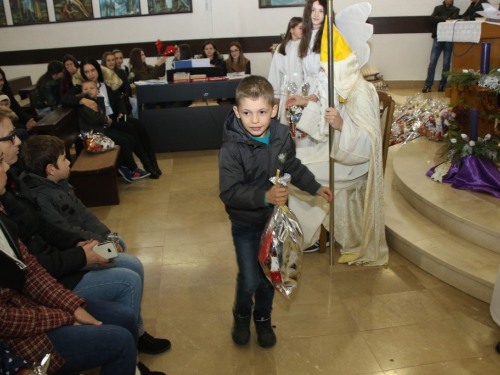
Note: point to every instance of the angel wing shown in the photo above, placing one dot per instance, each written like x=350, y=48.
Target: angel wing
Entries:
x=351, y=22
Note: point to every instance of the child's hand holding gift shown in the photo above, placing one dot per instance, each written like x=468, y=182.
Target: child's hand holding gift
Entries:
x=277, y=196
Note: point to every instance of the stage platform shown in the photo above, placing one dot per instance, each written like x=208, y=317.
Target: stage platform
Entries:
x=451, y=234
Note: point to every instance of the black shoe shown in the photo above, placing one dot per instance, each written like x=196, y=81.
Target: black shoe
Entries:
x=441, y=88
x=241, y=328
x=265, y=333
x=426, y=89
x=498, y=348
x=148, y=344
x=311, y=249
x=145, y=371
x=154, y=163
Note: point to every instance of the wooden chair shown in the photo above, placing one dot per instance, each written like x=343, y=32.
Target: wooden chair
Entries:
x=387, y=105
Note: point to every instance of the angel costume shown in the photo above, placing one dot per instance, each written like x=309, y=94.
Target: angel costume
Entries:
x=284, y=71
x=357, y=149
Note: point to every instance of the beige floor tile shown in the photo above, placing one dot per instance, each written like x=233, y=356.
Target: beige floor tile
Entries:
x=482, y=329
x=201, y=205
x=202, y=275
x=193, y=219
x=376, y=281
x=458, y=303
x=468, y=366
x=422, y=343
x=203, y=233
x=199, y=252
x=396, y=309
x=425, y=278
x=144, y=239
x=147, y=255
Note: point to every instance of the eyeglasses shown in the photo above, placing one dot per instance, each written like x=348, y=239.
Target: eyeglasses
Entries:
x=234, y=50
x=11, y=137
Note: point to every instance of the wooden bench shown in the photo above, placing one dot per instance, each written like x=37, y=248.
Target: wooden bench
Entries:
x=63, y=123
x=94, y=177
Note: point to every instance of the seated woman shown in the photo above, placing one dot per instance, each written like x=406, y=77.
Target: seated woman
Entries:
x=109, y=83
x=143, y=71
x=119, y=61
x=109, y=61
x=47, y=89
x=183, y=52
x=236, y=62
x=25, y=121
x=71, y=66
x=209, y=50
x=21, y=133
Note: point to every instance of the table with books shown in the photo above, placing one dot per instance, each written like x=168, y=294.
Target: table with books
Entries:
x=186, y=115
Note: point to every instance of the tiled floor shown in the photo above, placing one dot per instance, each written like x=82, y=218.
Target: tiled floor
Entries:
x=342, y=320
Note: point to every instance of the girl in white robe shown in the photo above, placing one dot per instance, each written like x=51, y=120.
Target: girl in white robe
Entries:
x=286, y=67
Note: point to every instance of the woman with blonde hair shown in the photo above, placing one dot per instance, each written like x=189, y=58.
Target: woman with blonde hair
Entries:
x=236, y=62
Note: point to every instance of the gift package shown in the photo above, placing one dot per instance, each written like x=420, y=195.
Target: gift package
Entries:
x=96, y=142
x=280, y=253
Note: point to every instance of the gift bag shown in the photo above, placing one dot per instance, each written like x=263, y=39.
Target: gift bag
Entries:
x=280, y=253
x=96, y=142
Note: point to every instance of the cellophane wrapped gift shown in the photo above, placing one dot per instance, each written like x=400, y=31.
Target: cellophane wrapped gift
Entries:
x=295, y=112
x=417, y=117
x=280, y=253
x=97, y=142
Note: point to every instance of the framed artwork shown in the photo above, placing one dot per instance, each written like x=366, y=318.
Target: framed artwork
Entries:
x=119, y=8
x=169, y=6
x=3, y=20
x=29, y=12
x=281, y=3
x=73, y=10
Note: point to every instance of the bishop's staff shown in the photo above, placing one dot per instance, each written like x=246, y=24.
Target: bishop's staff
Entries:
x=331, y=130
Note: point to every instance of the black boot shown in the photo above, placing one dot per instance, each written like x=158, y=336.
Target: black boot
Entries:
x=241, y=327
x=265, y=333
x=146, y=163
x=154, y=162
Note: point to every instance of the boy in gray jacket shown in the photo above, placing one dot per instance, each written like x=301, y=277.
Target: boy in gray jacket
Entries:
x=48, y=171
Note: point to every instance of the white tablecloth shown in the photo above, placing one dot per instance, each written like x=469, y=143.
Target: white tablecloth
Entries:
x=459, y=31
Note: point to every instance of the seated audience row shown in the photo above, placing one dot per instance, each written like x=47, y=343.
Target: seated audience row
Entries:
x=36, y=297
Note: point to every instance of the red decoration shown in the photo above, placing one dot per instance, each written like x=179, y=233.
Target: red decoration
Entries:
x=169, y=50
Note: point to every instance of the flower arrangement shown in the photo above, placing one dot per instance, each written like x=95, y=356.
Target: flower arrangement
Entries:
x=491, y=81
x=464, y=78
x=485, y=148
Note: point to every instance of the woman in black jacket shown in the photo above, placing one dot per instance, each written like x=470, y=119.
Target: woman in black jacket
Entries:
x=109, y=84
x=216, y=59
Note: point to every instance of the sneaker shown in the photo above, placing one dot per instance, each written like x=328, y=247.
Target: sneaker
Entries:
x=149, y=345
x=143, y=370
x=139, y=174
x=313, y=248
x=426, y=89
x=441, y=88
x=125, y=172
x=241, y=328
x=265, y=333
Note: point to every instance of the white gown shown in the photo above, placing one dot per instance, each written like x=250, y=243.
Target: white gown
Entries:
x=284, y=70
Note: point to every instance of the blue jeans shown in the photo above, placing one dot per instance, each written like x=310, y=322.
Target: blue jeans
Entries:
x=437, y=48
x=112, y=345
x=122, y=284
x=251, y=281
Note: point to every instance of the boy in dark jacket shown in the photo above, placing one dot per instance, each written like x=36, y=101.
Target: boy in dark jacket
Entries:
x=254, y=147
x=441, y=13
x=48, y=172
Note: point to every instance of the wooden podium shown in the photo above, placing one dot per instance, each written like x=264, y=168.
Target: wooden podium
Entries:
x=467, y=55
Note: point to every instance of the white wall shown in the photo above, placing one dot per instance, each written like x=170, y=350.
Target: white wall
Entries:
x=398, y=57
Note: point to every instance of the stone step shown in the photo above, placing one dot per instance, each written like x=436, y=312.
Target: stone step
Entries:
x=457, y=261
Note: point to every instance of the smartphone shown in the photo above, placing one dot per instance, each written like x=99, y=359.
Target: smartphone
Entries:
x=123, y=118
x=106, y=249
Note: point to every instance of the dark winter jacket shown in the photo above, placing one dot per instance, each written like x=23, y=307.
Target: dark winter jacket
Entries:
x=245, y=166
x=88, y=119
x=54, y=248
x=150, y=72
x=48, y=95
x=441, y=14
x=60, y=207
x=471, y=12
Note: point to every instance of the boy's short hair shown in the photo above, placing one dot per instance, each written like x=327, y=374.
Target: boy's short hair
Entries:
x=255, y=87
x=89, y=81
x=40, y=151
